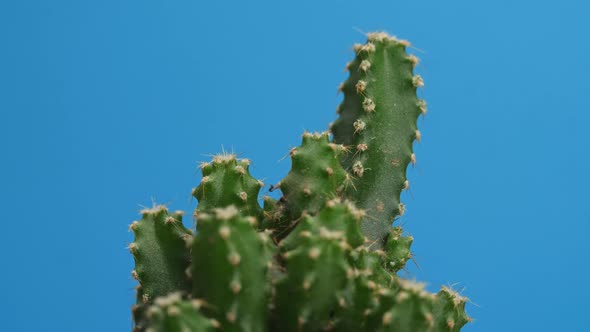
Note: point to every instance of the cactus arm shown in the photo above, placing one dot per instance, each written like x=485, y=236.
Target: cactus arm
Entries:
x=449, y=311
x=160, y=252
x=229, y=270
x=316, y=175
x=380, y=109
x=397, y=249
x=317, y=266
x=361, y=297
x=227, y=181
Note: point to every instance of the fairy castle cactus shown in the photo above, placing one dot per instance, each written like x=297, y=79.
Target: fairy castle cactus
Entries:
x=323, y=257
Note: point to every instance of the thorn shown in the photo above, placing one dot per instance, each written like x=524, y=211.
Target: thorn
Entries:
x=133, y=226
x=240, y=170
x=413, y=59
x=360, y=86
x=224, y=232
x=365, y=65
x=387, y=318
x=215, y=323
x=417, y=81
x=347, y=67
x=234, y=258
x=404, y=42
x=358, y=168
x=330, y=171
x=377, y=36
x=418, y=135
x=132, y=247
x=368, y=105
x=368, y=48
x=226, y=213
x=422, y=106
x=359, y=125
x=173, y=311
x=314, y=253
x=235, y=287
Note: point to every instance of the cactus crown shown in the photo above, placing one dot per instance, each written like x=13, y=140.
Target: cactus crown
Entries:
x=324, y=257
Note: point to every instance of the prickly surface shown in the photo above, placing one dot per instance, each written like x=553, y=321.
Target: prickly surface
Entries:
x=316, y=175
x=275, y=218
x=397, y=249
x=229, y=270
x=161, y=253
x=172, y=314
x=366, y=280
x=378, y=121
x=227, y=181
x=329, y=275
x=138, y=311
x=316, y=262
x=449, y=311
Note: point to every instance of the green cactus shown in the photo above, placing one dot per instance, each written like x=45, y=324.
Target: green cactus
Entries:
x=229, y=269
x=227, y=181
x=378, y=121
x=325, y=256
x=171, y=313
x=315, y=177
x=160, y=252
x=316, y=262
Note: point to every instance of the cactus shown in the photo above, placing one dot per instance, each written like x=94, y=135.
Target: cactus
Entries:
x=323, y=257
x=378, y=120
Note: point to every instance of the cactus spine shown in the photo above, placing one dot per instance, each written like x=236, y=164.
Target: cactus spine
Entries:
x=324, y=257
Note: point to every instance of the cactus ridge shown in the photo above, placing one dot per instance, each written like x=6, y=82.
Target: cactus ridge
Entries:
x=325, y=256
x=397, y=249
x=378, y=121
x=229, y=269
x=317, y=266
x=366, y=280
x=160, y=252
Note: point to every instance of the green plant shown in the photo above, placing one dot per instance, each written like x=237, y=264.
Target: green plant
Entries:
x=322, y=258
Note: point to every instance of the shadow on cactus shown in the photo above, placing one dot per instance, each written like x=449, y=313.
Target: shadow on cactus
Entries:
x=324, y=257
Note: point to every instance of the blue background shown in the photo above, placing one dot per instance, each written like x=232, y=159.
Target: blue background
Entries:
x=108, y=105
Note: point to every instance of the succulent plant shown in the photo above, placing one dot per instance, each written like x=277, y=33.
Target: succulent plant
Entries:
x=325, y=256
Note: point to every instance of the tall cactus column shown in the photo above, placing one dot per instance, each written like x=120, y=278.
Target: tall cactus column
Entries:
x=378, y=121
